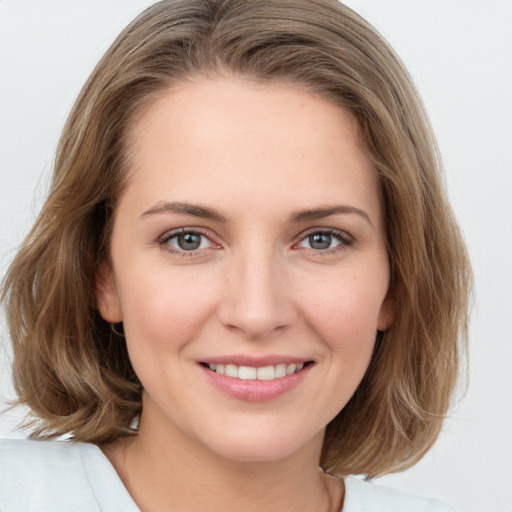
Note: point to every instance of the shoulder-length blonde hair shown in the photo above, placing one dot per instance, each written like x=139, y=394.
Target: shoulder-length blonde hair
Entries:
x=74, y=372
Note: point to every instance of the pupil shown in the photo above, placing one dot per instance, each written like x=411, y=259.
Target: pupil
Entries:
x=320, y=241
x=189, y=241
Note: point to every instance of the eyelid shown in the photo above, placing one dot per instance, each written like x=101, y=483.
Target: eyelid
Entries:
x=163, y=241
x=342, y=236
x=331, y=231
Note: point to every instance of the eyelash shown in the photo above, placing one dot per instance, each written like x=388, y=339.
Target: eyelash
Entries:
x=344, y=241
x=163, y=242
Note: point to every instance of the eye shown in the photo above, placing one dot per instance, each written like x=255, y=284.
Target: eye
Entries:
x=185, y=240
x=325, y=240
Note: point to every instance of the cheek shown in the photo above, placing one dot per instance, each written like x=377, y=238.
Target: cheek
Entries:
x=345, y=312
x=344, y=317
x=164, y=308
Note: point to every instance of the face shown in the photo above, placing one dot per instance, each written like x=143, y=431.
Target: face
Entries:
x=249, y=266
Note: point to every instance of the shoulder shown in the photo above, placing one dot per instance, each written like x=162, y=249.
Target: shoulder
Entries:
x=59, y=476
x=44, y=476
x=363, y=496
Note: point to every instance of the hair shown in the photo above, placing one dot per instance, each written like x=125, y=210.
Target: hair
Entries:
x=73, y=371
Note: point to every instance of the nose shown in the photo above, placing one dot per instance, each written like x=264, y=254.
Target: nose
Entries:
x=256, y=299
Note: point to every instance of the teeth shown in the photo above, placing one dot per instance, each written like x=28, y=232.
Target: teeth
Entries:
x=280, y=370
x=246, y=372
x=231, y=370
x=291, y=369
x=266, y=373
x=252, y=373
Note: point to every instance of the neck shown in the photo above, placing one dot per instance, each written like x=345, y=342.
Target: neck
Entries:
x=168, y=471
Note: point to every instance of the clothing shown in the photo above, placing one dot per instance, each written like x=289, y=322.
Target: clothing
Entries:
x=61, y=476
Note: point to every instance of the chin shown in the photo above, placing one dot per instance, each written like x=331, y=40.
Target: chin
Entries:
x=262, y=445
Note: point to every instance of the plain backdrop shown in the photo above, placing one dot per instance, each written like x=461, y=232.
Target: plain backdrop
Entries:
x=460, y=55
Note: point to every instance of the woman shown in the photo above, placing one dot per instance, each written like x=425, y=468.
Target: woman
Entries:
x=208, y=335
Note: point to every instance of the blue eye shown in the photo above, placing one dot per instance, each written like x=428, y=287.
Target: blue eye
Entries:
x=321, y=241
x=186, y=241
x=325, y=240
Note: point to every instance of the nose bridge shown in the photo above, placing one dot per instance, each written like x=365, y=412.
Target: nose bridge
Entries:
x=255, y=299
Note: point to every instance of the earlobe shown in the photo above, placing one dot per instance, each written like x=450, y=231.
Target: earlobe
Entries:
x=386, y=314
x=107, y=298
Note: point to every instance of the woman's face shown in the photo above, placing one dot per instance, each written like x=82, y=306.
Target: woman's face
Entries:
x=249, y=266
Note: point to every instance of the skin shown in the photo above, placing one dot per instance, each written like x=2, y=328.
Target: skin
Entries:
x=258, y=285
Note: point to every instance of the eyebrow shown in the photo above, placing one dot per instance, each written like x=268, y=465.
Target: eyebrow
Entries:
x=206, y=212
x=327, y=211
x=195, y=210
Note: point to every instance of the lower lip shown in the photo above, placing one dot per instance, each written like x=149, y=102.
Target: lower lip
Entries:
x=256, y=390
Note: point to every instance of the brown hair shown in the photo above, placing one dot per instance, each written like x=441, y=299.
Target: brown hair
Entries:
x=74, y=372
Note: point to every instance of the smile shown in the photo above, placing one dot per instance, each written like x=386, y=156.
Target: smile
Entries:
x=270, y=372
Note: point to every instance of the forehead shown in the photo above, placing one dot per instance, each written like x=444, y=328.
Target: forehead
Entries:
x=248, y=140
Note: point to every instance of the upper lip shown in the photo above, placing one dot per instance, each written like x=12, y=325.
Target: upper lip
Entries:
x=255, y=361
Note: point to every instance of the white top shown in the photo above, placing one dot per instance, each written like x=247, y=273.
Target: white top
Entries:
x=60, y=476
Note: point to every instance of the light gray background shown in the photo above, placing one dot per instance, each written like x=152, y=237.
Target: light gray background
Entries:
x=460, y=54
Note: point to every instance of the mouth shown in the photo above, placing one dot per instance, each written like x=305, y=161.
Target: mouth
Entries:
x=263, y=373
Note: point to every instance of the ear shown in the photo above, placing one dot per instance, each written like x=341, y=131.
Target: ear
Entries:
x=107, y=298
x=386, y=314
